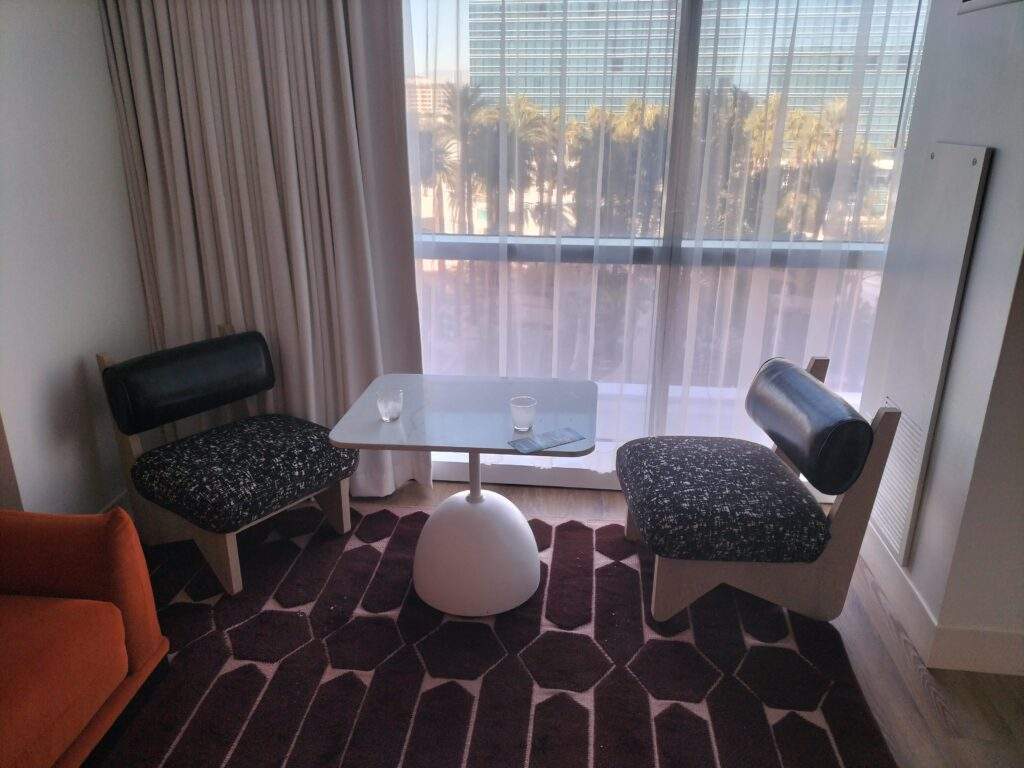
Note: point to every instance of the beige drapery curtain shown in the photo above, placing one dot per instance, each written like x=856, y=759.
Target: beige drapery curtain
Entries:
x=264, y=146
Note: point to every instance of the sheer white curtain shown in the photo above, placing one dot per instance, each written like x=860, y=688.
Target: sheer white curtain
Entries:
x=654, y=194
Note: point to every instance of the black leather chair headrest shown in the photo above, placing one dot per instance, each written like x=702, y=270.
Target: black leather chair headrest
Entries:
x=156, y=389
x=821, y=433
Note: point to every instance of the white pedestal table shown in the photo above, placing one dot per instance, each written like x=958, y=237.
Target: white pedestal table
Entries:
x=476, y=555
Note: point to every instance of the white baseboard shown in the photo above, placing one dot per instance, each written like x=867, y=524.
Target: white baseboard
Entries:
x=905, y=601
x=969, y=649
x=978, y=649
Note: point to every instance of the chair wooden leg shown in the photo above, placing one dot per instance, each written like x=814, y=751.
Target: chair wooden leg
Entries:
x=664, y=600
x=807, y=588
x=221, y=552
x=632, y=532
x=677, y=583
x=335, y=505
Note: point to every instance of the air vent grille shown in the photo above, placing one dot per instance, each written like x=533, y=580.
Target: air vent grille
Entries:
x=895, y=512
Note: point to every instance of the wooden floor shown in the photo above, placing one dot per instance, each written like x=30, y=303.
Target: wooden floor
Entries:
x=931, y=718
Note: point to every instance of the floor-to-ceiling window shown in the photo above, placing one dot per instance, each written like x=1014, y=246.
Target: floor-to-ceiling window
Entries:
x=655, y=195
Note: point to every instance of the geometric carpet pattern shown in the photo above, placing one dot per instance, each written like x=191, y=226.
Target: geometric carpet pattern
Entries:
x=329, y=658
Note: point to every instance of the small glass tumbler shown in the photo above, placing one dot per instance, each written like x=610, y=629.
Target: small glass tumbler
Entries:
x=524, y=408
x=389, y=404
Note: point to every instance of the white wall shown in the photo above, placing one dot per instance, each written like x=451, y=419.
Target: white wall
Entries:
x=985, y=589
x=69, y=281
x=967, y=568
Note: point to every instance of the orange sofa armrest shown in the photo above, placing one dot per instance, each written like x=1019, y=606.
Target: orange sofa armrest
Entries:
x=91, y=557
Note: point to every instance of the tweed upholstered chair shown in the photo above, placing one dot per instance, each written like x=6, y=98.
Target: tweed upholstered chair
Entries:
x=726, y=511
x=211, y=485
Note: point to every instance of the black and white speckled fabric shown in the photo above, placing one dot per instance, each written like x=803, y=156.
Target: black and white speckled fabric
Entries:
x=717, y=498
x=229, y=476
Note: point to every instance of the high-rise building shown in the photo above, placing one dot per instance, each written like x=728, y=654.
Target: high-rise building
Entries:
x=841, y=50
x=579, y=53
x=605, y=53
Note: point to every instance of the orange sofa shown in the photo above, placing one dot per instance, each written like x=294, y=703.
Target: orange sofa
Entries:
x=78, y=632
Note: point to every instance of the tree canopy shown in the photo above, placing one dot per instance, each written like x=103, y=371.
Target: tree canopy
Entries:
x=526, y=170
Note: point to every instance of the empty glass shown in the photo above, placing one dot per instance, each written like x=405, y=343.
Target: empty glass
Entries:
x=524, y=408
x=389, y=403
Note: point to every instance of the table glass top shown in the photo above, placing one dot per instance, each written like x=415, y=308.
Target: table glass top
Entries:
x=468, y=413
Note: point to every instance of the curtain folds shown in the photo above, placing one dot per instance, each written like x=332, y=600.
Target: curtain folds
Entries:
x=268, y=189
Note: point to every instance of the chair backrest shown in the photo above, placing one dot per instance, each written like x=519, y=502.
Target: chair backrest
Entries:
x=156, y=389
x=822, y=434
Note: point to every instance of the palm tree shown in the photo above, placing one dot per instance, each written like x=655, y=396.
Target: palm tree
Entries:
x=445, y=171
x=547, y=156
x=622, y=148
x=815, y=140
x=525, y=126
x=460, y=106
x=760, y=126
x=728, y=207
x=760, y=130
x=583, y=140
x=437, y=169
x=485, y=162
x=810, y=143
x=649, y=132
x=804, y=132
x=833, y=117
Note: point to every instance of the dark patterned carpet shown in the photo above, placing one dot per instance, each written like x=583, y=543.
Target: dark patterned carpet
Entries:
x=328, y=658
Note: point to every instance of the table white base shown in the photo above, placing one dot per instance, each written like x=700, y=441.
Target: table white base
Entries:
x=476, y=555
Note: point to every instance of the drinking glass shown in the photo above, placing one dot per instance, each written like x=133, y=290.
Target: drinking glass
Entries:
x=524, y=408
x=389, y=403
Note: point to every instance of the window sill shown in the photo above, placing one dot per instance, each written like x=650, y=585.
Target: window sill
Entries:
x=612, y=250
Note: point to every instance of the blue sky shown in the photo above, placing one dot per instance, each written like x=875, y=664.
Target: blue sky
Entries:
x=430, y=21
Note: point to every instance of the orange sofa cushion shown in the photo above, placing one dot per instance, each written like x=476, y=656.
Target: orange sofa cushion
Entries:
x=90, y=557
x=61, y=660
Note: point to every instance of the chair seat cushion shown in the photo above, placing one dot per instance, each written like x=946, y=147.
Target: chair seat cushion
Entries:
x=229, y=476
x=715, y=498
x=61, y=660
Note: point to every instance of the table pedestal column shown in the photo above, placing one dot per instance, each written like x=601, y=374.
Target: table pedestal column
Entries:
x=476, y=555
